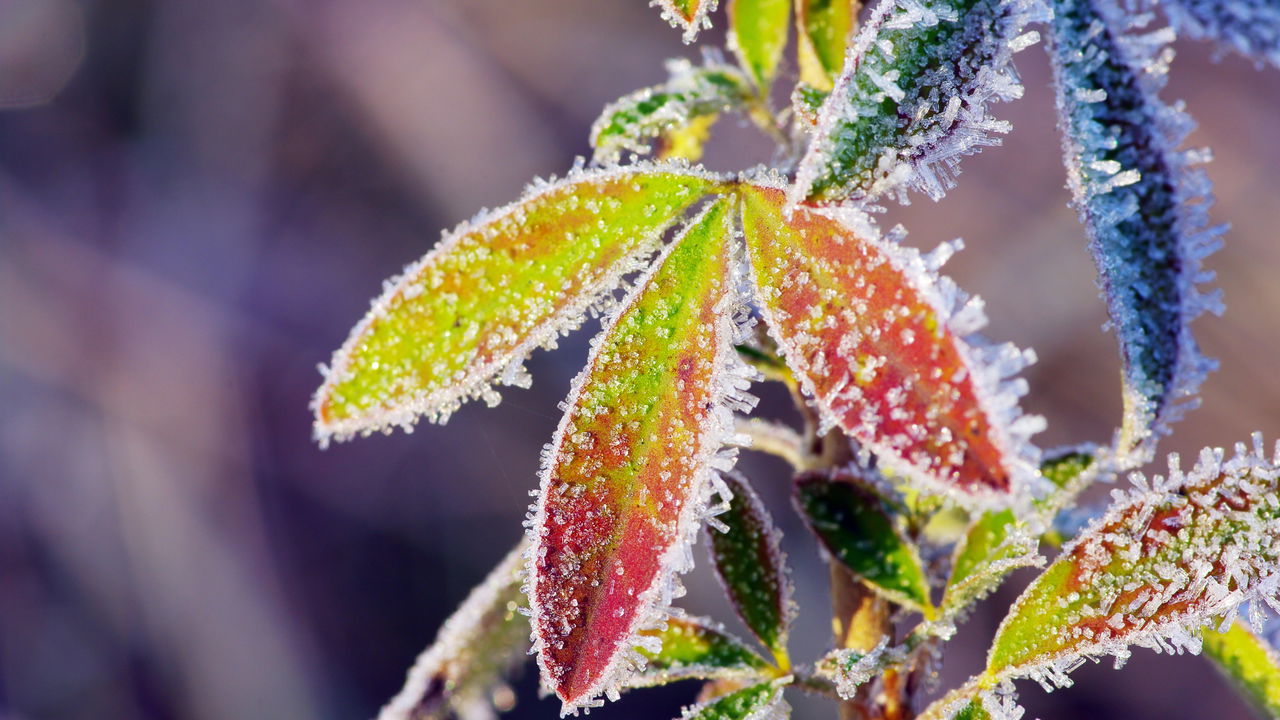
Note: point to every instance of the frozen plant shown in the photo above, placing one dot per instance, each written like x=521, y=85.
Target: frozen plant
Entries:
x=710, y=282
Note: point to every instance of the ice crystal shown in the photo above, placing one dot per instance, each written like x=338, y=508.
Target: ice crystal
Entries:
x=698, y=648
x=1171, y=555
x=496, y=288
x=631, y=123
x=627, y=479
x=850, y=669
x=457, y=675
x=1145, y=206
x=913, y=98
x=1250, y=27
x=762, y=701
x=689, y=16
x=889, y=350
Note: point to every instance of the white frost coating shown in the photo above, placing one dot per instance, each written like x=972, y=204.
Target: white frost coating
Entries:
x=851, y=669
x=862, y=152
x=441, y=670
x=649, y=677
x=1250, y=27
x=438, y=405
x=1216, y=571
x=689, y=26
x=714, y=457
x=774, y=707
x=992, y=367
x=1145, y=204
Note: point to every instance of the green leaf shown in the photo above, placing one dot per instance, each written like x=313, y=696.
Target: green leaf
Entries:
x=693, y=93
x=806, y=102
x=1168, y=557
x=696, y=648
x=749, y=562
x=1249, y=662
x=628, y=475
x=856, y=528
x=850, y=669
x=997, y=544
x=487, y=635
x=758, y=35
x=823, y=30
x=512, y=280
x=912, y=99
x=888, y=350
x=689, y=16
x=757, y=702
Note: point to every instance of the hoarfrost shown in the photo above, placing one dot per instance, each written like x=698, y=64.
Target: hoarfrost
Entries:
x=1250, y=27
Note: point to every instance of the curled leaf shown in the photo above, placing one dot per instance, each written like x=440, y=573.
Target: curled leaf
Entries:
x=888, y=350
x=1249, y=662
x=855, y=527
x=823, y=30
x=762, y=701
x=912, y=98
x=688, y=16
x=692, y=93
x=748, y=559
x=696, y=648
x=1169, y=556
x=1144, y=204
x=627, y=477
x=757, y=35
x=457, y=675
x=1250, y=27
x=511, y=280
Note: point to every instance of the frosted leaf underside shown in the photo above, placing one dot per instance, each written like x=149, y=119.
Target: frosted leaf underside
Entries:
x=748, y=559
x=1143, y=203
x=882, y=343
x=493, y=290
x=1169, y=556
x=628, y=475
x=456, y=675
x=912, y=98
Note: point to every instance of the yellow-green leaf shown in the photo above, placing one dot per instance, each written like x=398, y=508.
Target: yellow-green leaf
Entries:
x=699, y=648
x=627, y=477
x=689, y=16
x=757, y=702
x=823, y=30
x=1169, y=556
x=457, y=675
x=512, y=280
x=1249, y=662
x=758, y=35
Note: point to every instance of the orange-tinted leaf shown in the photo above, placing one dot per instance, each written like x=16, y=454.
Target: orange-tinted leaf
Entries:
x=689, y=16
x=1170, y=556
x=512, y=280
x=888, y=349
x=627, y=477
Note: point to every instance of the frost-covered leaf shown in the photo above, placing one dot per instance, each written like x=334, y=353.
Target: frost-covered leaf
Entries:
x=762, y=701
x=849, y=669
x=627, y=477
x=806, y=103
x=889, y=350
x=855, y=527
x=913, y=96
x=692, y=93
x=1249, y=662
x=1144, y=204
x=689, y=16
x=758, y=35
x=511, y=280
x=997, y=543
x=696, y=648
x=1250, y=27
x=1169, y=556
x=457, y=676
x=748, y=559
x=823, y=30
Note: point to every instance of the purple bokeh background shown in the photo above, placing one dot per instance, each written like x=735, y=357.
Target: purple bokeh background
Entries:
x=197, y=201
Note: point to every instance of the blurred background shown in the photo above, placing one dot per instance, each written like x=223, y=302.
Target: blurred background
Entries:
x=197, y=201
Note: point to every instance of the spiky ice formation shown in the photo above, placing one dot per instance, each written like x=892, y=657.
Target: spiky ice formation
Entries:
x=631, y=123
x=1250, y=27
x=458, y=674
x=630, y=471
x=688, y=16
x=466, y=315
x=913, y=98
x=1144, y=204
x=1170, y=556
